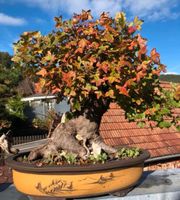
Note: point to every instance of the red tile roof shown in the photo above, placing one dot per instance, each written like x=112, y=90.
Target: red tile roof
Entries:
x=116, y=130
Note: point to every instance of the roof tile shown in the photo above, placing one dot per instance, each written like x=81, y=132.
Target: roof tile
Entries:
x=116, y=130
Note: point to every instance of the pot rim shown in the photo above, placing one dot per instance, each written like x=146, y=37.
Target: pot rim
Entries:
x=113, y=164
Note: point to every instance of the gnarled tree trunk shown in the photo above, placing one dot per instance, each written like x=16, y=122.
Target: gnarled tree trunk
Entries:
x=79, y=135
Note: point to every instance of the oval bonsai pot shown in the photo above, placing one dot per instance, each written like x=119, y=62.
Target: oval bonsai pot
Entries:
x=70, y=181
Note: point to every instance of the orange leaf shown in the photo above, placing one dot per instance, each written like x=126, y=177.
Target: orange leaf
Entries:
x=83, y=43
x=141, y=41
x=79, y=50
x=37, y=88
x=42, y=72
x=155, y=57
x=67, y=77
x=39, y=85
x=122, y=90
x=132, y=45
x=99, y=82
x=142, y=51
x=55, y=90
x=104, y=66
x=139, y=75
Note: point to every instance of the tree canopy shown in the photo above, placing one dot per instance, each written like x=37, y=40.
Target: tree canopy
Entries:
x=5, y=59
x=9, y=79
x=93, y=62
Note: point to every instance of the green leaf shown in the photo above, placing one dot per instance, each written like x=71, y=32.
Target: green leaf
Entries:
x=165, y=111
x=178, y=128
x=141, y=124
x=164, y=124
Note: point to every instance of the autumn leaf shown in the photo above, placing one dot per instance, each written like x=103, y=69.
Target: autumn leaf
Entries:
x=104, y=66
x=155, y=57
x=132, y=29
x=92, y=59
x=129, y=82
x=37, y=88
x=39, y=85
x=112, y=79
x=110, y=93
x=86, y=15
x=58, y=21
x=122, y=90
x=138, y=23
x=140, y=75
x=108, y=37
x=133, y=45
x=156, y=72
x=141, y=52
x=83, y=43
x=72, y=93
x=67, y=77
x=150, y=111
x=43, y=72
x=142, y=42
x=98, y=82
x=49, y=57
x=120, y=18
x=177, y=93
x=79, y=50
x=55, y=90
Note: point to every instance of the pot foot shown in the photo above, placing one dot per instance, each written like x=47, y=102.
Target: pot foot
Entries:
x=121, y=193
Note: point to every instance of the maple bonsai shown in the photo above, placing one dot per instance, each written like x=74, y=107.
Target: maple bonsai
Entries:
x=92, y=63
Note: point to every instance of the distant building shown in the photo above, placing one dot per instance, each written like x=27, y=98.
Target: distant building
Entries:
x=40, y=104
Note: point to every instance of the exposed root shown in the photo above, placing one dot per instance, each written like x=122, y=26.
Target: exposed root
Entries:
x=73, y=136
x=6, y=144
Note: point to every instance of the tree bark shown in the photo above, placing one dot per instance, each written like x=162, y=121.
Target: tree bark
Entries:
x=79, y=135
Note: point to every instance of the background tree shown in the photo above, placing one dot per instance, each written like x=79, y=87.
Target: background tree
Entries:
x=174, y=78
x=10, y=76
x=93, y=63
x=5, y=60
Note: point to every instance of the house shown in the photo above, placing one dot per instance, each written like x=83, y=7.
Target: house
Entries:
x=163, y=144
x=40, y=104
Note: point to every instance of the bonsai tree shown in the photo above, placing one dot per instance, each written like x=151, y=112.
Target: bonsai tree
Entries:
x=91, y=63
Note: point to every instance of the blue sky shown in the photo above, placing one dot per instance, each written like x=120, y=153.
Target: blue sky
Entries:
x=161, y=26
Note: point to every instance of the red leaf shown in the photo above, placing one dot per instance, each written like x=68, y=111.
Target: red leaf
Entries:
x=132, y=29
x=155, y=57
x=122, y=90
